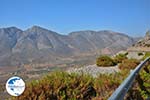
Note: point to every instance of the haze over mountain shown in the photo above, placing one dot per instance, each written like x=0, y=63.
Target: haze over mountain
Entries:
x=39, y=45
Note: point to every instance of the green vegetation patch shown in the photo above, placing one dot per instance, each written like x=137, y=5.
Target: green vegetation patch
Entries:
x=129, y=64
x=120, y=57
x=147, y=54
x=105, y=61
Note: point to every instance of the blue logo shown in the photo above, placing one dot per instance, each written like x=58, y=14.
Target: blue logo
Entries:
x=15, y=86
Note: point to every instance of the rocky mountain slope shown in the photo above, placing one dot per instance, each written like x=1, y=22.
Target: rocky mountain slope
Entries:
x=140, y=48
x=144, y=42
x=39, y=45
x=143, y=45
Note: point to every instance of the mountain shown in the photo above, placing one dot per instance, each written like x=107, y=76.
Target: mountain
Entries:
x=39, y=45
x=101, y=40
x=139, y=49
x=143, y=45
x=144, y=42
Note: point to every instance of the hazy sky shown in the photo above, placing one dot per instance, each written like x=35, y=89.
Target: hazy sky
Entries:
x=63, y=16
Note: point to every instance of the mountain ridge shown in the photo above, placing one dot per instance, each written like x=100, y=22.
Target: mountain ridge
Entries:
x=40, y=45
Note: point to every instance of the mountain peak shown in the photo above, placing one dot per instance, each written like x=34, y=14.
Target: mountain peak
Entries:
x=35, y=27
x=11, y=28
x=39, y=29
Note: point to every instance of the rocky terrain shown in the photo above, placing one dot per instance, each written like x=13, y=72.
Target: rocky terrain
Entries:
x=37, y=45
x=144, y=42
x=94, y=70
x=139, y=49
x=136, y=51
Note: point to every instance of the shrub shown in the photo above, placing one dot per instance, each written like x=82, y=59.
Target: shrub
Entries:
x=126, y=54
x=129, y=64
x=147, y=45
x=64, y=86
x=120, y=57
x=2, y=88
x=140, y=54
x=145, y=76
x=147, y=54
x=105, y=61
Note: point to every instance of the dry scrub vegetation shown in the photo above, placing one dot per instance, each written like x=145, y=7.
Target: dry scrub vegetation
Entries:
x=64, y=86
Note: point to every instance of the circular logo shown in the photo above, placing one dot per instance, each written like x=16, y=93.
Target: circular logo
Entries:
x=15, y=86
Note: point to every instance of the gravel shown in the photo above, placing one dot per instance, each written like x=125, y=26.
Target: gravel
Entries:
x=94, y=70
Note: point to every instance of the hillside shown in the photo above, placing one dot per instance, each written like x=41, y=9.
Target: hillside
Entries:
x=71, y=86
x=62, y=85
x=144, y=42
x=37, y=45
x=142, y=45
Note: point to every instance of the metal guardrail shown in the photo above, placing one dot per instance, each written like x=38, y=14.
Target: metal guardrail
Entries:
x=126, y=84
